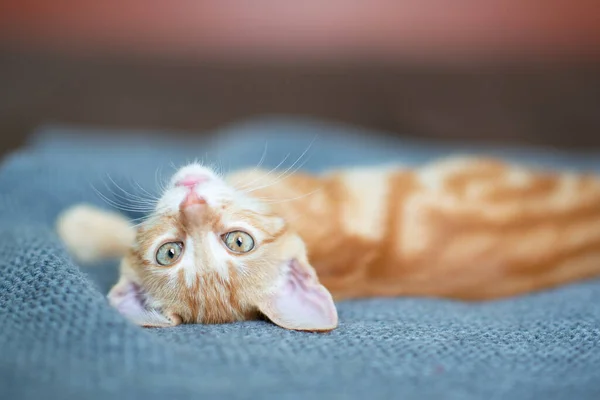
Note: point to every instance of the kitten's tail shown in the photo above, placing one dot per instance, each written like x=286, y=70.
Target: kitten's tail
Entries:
x=92, y=234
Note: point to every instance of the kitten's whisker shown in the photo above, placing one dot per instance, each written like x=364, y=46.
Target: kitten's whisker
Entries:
x=129, y=202
x=276, y=201
x=260, y=162
x=137, y=222
x=150, y=195
x=149, y=216
x=142, y=218
x=162, y=182
x=218, y=170
x=263, y=156
x=130, y=196
x=215, y=167
x=132, y=204
x=165, y=184
x=117, y=205
x=289, y=171
x=157, y=182
x=245, y=188
x=228, y=167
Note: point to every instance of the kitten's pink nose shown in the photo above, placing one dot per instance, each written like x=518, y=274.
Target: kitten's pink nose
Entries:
x=191, y=181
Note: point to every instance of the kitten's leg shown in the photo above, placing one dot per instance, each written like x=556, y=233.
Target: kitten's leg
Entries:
x=91, y=233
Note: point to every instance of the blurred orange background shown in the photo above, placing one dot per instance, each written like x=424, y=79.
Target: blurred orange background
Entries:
x=521, y=71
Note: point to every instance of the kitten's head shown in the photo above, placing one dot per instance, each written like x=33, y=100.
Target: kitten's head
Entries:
x=210, y=253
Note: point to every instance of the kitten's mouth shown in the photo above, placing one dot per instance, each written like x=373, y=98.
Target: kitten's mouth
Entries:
x=191, y=181
x=192, y=199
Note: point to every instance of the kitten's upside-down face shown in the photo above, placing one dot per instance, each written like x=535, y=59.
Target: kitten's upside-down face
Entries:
x=212, y=254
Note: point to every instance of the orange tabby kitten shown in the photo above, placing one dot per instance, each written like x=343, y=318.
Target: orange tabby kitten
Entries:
x=467, y=228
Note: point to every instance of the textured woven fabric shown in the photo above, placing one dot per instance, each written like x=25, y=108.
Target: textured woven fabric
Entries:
x=60, y=340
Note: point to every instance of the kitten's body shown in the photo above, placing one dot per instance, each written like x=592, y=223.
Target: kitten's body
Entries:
x=472, y=229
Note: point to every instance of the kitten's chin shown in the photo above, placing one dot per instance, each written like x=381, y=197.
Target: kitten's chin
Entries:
x=193, y=175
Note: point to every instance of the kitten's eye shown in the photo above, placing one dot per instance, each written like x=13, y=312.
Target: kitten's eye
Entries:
x=168, y=253
x=238, y=241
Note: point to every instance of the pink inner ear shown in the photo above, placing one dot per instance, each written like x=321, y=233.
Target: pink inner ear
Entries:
x=129, y=299
x=301, y=302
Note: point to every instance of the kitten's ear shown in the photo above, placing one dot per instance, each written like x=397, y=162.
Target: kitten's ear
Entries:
x=300, y=302
x=130, y=300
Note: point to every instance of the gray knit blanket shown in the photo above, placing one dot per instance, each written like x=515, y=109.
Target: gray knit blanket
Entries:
x=59, y=339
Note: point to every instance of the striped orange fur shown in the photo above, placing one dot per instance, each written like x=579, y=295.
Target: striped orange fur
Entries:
x=464, y=228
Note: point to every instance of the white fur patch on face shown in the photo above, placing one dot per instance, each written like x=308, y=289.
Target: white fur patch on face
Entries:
x=215, y=249
x=188, y=264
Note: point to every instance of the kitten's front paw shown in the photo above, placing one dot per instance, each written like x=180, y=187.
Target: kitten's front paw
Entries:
x=173, y=320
